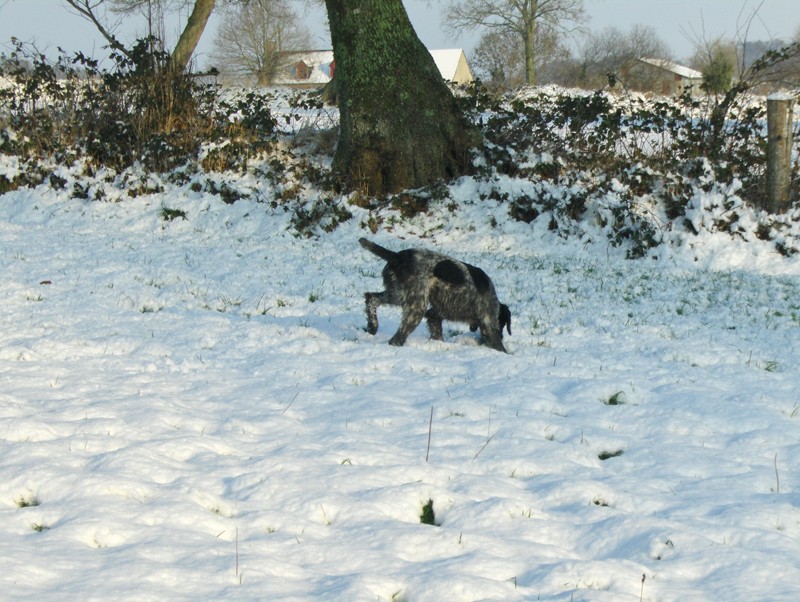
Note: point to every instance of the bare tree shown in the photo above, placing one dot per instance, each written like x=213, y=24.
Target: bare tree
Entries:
x=609, y=56
x=500, y=59
x=717, y=61
x=187, y=42
x=154, y=12
x=90, y=10
x=760, y=63
x=523, y=20
x=778, y=64
x=252, y=37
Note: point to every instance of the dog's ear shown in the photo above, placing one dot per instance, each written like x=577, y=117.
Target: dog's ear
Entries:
x=505, y=318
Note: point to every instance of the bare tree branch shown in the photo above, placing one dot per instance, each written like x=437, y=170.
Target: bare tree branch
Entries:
x=188, y=40
x=86, y=9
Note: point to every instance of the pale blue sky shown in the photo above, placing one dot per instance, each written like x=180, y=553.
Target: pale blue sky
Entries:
x=677, y=22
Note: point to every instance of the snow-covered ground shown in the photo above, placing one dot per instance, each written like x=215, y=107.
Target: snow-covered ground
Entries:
x=192, y=410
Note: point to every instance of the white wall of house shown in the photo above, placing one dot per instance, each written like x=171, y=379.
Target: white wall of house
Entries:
x=451, y=62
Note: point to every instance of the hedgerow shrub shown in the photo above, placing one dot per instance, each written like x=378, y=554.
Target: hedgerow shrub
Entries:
x=637, y=167
x=138, y=111
x=639, y=162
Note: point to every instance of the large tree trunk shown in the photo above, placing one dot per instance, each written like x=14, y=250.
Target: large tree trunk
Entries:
x=400, y=125
x=191, y=34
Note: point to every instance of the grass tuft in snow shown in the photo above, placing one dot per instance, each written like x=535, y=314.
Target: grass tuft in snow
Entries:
x=28, y=501
x=617, y=399
x=771, y=366
x=169, y=215
x=610, y=454
x=427, y=517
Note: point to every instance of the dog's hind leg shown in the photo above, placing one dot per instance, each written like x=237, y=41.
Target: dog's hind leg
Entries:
x=372, y=302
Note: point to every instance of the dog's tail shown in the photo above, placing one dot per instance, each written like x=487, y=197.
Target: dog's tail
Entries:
x=378, y=250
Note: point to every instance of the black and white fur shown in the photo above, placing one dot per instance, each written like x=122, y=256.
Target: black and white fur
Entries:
x=434, y=286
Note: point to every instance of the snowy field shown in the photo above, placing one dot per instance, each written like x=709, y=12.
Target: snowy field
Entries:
x=192, y=410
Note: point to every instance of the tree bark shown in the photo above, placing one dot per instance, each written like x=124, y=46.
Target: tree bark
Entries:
x=400, y=125
x=530, y=24
x=191, y=34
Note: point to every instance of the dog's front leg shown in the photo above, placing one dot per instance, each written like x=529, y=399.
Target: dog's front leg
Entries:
x=434, y=321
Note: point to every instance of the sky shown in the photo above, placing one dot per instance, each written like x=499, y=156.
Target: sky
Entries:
x=679, y=23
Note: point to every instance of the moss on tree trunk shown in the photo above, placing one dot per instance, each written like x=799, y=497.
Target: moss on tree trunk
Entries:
x=400, y=125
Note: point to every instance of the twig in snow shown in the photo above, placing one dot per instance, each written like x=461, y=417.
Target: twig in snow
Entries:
x=489, y=436
x=641, y=593
x=286, y=409
x=237, y=552
x=777, y=476
x=484, y=447
x=430, y=429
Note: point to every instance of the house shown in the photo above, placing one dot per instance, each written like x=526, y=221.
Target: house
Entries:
x=665, y=77
x=315, y=68
x=306, y=69
x=452, y=64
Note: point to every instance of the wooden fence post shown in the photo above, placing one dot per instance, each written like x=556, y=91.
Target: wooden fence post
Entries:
x=779, y=152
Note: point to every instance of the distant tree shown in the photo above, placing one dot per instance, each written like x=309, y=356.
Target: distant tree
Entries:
x=526, y=21
x=795, y=61
x=499, y=61
x=400, y=126
x=773, y=68
x=252, y=36
x=784, y=73
x=609, y=55
x=760, y=65
x=718, y=74
x=717, y=62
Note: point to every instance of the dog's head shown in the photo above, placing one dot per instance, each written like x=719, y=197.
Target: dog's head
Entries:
x=505, y=318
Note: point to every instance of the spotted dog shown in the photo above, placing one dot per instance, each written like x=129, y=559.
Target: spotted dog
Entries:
x=436, y=287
